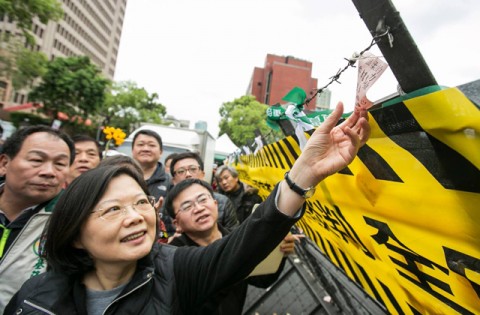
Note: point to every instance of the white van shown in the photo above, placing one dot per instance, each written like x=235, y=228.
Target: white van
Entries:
x=8, y=129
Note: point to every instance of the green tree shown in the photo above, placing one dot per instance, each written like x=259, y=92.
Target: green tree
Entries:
x=240, y=119
x=73, y=86
x=23, y=13
x=127, y=105
x=20, y=65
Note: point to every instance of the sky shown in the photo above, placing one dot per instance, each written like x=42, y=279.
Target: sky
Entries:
x=198, y=54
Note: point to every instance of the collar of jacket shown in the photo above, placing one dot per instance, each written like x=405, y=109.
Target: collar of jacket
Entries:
x=159, y=174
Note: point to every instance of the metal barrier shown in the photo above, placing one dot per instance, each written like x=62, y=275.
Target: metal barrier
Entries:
x=310, y=284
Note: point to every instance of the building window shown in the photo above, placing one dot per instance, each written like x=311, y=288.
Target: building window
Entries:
x=267, y=90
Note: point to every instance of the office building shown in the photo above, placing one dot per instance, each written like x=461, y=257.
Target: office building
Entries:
x=323, y=100
x=89, y=28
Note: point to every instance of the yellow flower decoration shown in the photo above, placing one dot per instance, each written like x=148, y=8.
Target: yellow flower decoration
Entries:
x=115, y=134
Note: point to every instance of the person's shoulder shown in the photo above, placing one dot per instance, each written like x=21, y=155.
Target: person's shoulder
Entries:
x=219, y=197
x=162, y=251
x=36, y=281
x=161, y=173
x=250, y=190
x=47, y=284
x=50, y=205
x=179, y=241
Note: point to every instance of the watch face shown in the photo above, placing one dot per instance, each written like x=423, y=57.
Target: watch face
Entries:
x=310, y=192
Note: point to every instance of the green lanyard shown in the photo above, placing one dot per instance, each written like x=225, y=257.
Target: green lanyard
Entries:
x=3, y=240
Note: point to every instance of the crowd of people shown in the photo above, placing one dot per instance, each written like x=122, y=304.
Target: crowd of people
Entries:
x=82, y=234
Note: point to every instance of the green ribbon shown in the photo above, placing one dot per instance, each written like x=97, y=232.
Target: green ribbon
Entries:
x=296, y=97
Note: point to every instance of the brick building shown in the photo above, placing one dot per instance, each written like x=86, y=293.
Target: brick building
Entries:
x=278, y=76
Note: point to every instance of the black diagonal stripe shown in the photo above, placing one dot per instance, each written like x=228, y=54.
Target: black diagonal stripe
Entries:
x=258, y=160
x=271, y=156
x=290, y=163
x=345, y=171
x=456, y=172
x=290, y=148
x=395, y=120
x=266, y=160
x=391, y=298
x=339, y=262
x=273, y=147
x=264, y=157
x=414, y=310
x=448, y=166
x=370, y=285
x=377, y=165
x=313, y=235
x=268, y=157
x=326, y=252
x=350, y=267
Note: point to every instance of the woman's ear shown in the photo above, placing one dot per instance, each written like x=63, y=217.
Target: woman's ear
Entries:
x=77, y=243
x=4, y=160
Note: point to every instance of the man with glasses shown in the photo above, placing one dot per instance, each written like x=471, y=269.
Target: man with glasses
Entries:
x=190, y=165
x=197, y=216
x=35, y=162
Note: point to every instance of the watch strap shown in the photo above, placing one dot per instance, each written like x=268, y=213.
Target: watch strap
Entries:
x=295, y=187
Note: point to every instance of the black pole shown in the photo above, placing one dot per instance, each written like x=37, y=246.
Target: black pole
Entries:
x=401, y=54
x=286, y=127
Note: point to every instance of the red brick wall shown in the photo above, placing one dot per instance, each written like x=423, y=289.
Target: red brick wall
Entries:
x=286, y=73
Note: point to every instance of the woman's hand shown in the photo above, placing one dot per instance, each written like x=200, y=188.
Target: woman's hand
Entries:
x=331, y=147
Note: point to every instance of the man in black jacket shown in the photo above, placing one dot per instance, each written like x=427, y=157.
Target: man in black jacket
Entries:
x=147, y=149
x=243, y=196
x=190, y=165
x=198, y=221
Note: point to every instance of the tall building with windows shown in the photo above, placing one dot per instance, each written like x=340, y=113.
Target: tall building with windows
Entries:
x=280, y=75
x=90, y=28
x=324, y=99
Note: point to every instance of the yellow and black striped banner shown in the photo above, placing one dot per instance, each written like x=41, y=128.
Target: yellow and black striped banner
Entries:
x=403, y=220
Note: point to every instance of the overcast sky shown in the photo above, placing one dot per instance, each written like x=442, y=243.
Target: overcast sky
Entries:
x=198, y=54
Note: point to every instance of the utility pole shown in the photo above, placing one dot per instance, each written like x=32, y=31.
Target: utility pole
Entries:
x=398, y=48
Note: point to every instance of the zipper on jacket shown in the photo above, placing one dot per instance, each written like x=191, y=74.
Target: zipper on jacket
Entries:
x=18, y=236
x=124, y=295
x=38, y=307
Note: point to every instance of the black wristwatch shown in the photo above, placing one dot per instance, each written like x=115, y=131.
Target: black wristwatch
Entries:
x=305, y=193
